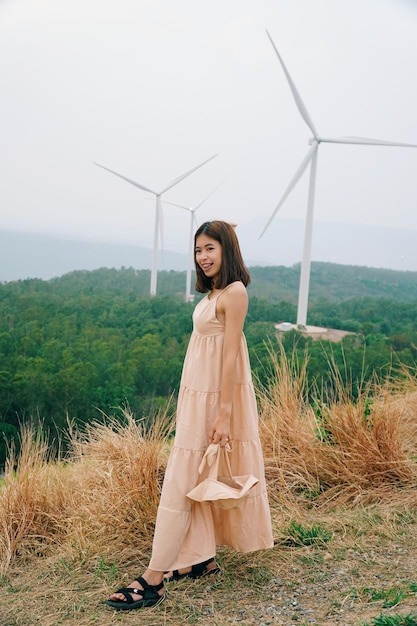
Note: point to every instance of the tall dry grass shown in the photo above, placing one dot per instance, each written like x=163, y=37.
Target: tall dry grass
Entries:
x=337, y=447
x=30, y=498
x=99, y=502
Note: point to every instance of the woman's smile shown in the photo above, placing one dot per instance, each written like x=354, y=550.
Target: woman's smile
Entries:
x=208, y=255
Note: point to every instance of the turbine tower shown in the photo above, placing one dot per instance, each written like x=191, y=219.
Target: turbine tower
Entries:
x=193, y=226
x=158, y=212
x=311, y=158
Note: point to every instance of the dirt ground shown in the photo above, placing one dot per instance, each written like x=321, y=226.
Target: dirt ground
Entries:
x=363, y=572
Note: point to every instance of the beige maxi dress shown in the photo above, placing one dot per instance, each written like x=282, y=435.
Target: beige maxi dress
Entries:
x=187, y=533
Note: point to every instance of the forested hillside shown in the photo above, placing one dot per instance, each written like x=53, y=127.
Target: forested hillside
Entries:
x=334, y=282
x=89, y=342
x=274, y=284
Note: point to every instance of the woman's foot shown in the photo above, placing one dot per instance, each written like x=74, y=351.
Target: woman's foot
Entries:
x=194, y=571
x=140, y=594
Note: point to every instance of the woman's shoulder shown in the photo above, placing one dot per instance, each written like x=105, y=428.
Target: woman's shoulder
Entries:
x=236, y=287
x=235, y=290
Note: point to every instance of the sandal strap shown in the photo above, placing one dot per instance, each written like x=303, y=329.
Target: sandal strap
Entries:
x=127, y=592
x=146, y=585
x=200, y=568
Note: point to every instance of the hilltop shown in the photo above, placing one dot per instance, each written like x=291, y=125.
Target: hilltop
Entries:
x=328, y=282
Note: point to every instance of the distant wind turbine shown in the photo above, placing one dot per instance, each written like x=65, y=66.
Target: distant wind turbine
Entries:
x=158, y=212
x=311, y=156
x=193, y=227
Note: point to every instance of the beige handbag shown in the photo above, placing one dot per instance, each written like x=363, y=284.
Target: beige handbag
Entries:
x=223, y=491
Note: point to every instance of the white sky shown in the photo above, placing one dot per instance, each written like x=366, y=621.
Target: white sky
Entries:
x=150, y=88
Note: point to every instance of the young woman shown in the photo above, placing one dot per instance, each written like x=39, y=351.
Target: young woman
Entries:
x=216, y=404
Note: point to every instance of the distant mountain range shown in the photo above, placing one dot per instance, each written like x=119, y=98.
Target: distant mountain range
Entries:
x=32, y=255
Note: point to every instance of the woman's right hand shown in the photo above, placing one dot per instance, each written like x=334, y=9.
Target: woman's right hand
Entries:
x=220, y=431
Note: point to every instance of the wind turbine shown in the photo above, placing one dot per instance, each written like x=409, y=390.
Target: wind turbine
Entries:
x=311, y=158
x=193, y=227
x=158, y=212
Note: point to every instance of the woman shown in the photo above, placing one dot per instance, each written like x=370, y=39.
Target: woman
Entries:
x=216, y=404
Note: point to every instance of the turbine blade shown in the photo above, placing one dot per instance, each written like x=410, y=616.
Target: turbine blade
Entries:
x=208, y=196
x=368, y=142
x=300, y=171
x=180, y=178
x=181, y=206
x=298, y=100
x=128, y=180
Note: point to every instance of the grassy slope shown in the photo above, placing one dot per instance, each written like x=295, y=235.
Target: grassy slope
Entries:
x=342, y=484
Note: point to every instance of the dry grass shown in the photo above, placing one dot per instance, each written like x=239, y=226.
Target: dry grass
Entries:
x=105, y=492
x=338, y=449
x=341, y=473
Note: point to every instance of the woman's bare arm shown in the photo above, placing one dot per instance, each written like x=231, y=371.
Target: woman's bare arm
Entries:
x=232, y=307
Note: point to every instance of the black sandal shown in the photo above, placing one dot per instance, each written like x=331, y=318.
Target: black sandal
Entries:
x=149, y=593
x=197, y=571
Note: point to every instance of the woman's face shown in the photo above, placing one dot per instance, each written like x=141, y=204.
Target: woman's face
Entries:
x=208, y=255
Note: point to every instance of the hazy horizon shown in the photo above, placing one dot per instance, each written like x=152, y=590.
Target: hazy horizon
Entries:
x=152, y=88
x=25, y=254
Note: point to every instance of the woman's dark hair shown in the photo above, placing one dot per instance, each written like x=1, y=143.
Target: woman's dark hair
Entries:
x=232, y=268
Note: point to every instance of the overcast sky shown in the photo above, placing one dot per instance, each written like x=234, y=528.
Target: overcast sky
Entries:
x=151, y=88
